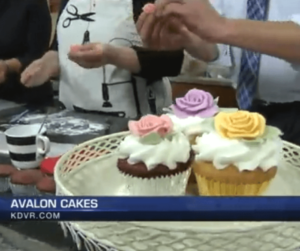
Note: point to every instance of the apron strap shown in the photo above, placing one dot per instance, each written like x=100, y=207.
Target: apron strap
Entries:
x=151, y=96
x=136, y=97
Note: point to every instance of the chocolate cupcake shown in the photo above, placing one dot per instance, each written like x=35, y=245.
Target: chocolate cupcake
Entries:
x=5, y=172
x=153, y=159
x=46, y=186
x=23, y=182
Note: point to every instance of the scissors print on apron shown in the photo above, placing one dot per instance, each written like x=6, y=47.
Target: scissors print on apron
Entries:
x=73, y=12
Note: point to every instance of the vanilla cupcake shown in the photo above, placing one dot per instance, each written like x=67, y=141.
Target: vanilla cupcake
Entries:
x=190, y=112
x=239, y=157
x=153, y=159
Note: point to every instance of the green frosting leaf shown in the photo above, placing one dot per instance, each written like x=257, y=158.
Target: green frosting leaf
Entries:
x=256, y=140
x=216, y=100
x=208, y=125
x=151, y=139
x=170, y=136
x=271, y=132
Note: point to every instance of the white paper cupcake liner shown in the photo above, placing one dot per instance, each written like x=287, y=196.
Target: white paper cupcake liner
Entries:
x=4, y=184
x=23, y=190
x=47, y=194
x=163, y=186
x=43, y=193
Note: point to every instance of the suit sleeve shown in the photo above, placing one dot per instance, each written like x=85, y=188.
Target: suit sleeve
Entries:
x=156, y=64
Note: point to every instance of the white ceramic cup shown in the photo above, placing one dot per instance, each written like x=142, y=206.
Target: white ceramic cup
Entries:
x=26, y=147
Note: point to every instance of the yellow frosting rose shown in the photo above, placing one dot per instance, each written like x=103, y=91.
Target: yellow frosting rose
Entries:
x=240, y=125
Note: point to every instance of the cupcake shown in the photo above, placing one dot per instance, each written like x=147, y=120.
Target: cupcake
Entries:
x=190, y=112
x=5, y=172
x=154, y=159
x=238, y=157
x=23, y=182
x=46, y=186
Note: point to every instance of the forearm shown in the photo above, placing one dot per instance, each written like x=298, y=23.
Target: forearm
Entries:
x=52, y=60
x=278, y=39
x=202, y=50
x=13, y=65
x=123, y=57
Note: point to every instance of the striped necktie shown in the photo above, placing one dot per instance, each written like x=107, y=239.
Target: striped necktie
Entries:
x=250, y=61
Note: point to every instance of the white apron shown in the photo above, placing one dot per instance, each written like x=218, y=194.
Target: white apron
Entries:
x=84, y=88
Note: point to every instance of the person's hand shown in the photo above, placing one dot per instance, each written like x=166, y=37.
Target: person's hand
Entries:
x=91, y=55
x=198, y=16
x=159, y=34
x=41, y=70
x=3, y=72
x=163, y=33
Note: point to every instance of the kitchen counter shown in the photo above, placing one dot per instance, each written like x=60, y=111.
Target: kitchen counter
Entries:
x=9, y=108
x=50, y=232
x=63, y=127
x=202, y=81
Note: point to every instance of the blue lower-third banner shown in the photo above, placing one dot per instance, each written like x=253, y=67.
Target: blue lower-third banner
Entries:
x=151, y=208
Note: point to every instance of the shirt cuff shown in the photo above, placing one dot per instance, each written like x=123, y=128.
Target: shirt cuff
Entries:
x=222, y=66
x=296, y=18
x=224, y=58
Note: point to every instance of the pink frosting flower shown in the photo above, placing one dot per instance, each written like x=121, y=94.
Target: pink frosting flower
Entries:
x=195, y=103
x=151, y=124
x=149, y=8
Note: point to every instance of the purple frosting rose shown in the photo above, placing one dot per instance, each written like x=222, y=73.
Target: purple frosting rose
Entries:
x=195, y=103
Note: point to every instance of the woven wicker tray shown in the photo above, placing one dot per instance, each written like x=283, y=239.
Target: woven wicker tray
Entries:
x=89, y=170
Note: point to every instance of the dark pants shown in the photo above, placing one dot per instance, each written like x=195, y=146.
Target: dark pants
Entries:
x=285, y=116
x=13, y=90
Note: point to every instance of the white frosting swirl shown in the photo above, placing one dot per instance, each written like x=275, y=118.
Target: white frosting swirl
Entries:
x=222, y=152
x=189, y=125
x=167, y=152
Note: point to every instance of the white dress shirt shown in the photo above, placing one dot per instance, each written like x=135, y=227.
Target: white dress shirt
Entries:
x=279, y=80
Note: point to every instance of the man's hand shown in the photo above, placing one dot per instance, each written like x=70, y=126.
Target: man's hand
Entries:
x=91, y=55
x=164, y=33
x=3, y=72
x=197, y=15
x=169, y=33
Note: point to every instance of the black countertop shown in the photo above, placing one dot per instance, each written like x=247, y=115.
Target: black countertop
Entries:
x=50, y=232
x=112, y=124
